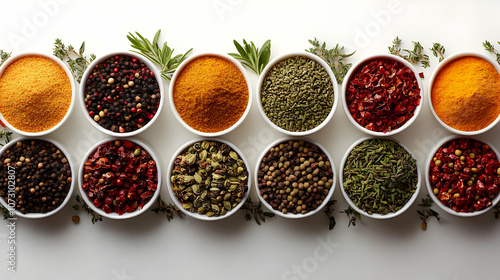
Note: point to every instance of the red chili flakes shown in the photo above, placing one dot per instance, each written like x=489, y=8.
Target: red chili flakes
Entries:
x=120, y=176
x=464, y=175
x=382, y=95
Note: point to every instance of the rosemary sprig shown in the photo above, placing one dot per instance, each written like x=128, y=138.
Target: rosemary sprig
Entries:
x=490, y=48
x=438, y=51
x=352, y=215
x=77, y=61
x=161, y=56
x=4, y=56
x=170, y=210
x=255, y=211
x=81, y=204
x=333, y=57
x=413, y=56
x=427, y=212
x=329, y=213
x=251, y=57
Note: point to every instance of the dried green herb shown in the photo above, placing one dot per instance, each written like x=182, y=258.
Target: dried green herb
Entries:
x=161, y=56
x=352, y=215
x=426, y=212
x=77, y=61
x=329, y=213
x=413, y=56
x=4, y=56
x=438, y=51
x=490, y=48
x=333, y=57
x=169, y=209
x=80, y=204
x=252, y=57
x=255, y=212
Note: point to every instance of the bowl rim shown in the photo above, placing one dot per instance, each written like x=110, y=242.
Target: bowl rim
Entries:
x=176, y=200
x=378, y=216
x=126, y=215
x=318, y=60
x=299, y=215
x=72, y=82
x=430, y=156
x=360, y=63
x=435, y=73
x=90, y=68
x=180, y=69
x=73, y=177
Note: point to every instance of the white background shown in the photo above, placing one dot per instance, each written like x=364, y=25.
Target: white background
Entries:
x=149, y=247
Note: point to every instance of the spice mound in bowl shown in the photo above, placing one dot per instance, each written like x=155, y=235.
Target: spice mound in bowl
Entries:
x=295, y=178
x=36, y=177
x=208, y=179
x=380, y=178
x=210, y=94
x=122, y=94
x=382, y=95
x=36, y=94
x=463, y=175
x=464, y=93
x=297, y=94
x=119, y=179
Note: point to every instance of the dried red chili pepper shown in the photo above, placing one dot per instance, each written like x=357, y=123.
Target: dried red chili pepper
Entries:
x=382, y=95
x=464, y=175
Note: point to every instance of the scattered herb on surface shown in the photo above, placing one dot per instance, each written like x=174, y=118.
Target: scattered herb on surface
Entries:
x=352, y=215
x=438, y=51
x=4, y=56
x=77, y=61
x=81, y=204
x=427, y=212
x=252, y=57
x=255, y=211
x=169, y=209
x=329, y=213
x=413, y=56
x=333, y=57
x=490, y=48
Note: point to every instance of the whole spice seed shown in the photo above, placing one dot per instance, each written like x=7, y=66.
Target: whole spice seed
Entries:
x=122, y=94
x=297, y=94
x=380, y=176
x=209, y=178
x=119, y=180
x=382, y=95
x=295, y=177
x=210, y=94
x=35, y=93
x=42, y=176
x=464, y=175
x=465, y=94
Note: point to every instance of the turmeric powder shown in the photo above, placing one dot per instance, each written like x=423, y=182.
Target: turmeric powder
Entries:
x=35, y=93
x=465, y=94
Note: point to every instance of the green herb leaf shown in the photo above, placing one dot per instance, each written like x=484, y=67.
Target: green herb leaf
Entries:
x=413, y=56
x=4, y=56
x=329, y=213
x=251, y=57
x=438, y=51
x=170, y=210
x=427, y=212
x=490, y=48
x=333, y=57
x=80, y=203
x=255, y=211
x=352, y=215
x=77, y=62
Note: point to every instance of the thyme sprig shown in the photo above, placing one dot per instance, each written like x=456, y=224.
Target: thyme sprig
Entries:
x=7, y=135
x=252, y=57
x=329, y=214
x=169, y=209
x=490, y=48
x=427, y=212
x=77, y=61
x=4, y=56
x=160, y=56
x=333, y=57
x=352, y=215
x=438, y=51
x=413, y=56
x=81, y=204
x=255, y=211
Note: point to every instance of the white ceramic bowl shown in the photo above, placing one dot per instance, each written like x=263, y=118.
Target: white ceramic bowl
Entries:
x=203, y=216
x=318, y=60
x=126, y=215
x=179, y=71
x=435, y=74
x=82, y=93
x=377, y=215
x=70, y=191
x=447, y=209
x=73, y=89
x=292, y=215
x=361, y=63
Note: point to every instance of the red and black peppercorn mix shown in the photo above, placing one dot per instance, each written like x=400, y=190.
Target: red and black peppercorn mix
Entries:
x=120, y=176
x=382, y=95
x=464, y=175
x=122, y=94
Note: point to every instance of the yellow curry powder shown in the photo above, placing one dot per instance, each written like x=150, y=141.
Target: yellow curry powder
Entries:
x=35, y=93
x=210, y=94
x=466, y=94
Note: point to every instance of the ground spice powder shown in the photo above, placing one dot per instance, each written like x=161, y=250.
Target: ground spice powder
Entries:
x=466, y=94
x=210, y=94
x=35, y=93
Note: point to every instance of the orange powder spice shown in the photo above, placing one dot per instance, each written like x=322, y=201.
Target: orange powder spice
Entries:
x=210, y=94
x=466, y=94
x=35, y=93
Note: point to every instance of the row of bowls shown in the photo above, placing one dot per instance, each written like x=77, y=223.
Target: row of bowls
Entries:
x=151, y=151
x=258, y=91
